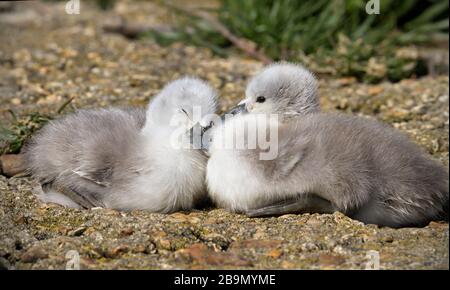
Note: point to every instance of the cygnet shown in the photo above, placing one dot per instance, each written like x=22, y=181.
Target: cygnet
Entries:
x=324, y=163
x=126, y=159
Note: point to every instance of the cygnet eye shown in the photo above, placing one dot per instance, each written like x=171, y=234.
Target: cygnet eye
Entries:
x=260, y=99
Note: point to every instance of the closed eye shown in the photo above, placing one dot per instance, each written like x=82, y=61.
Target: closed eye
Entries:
x=186, y=113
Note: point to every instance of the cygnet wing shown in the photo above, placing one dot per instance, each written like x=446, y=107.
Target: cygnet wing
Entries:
x=82, y=154
x=303, y=204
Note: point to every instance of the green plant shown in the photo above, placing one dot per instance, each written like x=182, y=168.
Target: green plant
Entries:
x=105, y=4
x=22, y=128
x=366, y=62
x=288, y=29
x=283, y=26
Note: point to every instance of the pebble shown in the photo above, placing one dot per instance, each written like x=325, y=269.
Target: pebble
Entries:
x=33, y=254
x=77, y=232
x=201, y=254
x=331, y=260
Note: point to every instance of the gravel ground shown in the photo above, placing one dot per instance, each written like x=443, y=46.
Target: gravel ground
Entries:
x=47, y=57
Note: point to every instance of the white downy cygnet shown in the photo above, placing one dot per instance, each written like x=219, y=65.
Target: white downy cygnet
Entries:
x=324, y=163
x=126, y=158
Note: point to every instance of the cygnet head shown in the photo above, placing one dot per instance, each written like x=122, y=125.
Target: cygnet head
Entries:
x=282, y=88
x=187, y=98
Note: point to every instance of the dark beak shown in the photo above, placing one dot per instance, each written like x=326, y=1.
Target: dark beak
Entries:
x=239, y=109
x=206, y=132
x=200, y=136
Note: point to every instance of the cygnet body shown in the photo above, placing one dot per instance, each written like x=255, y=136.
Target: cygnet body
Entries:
x=125, y=158
x=325, y=163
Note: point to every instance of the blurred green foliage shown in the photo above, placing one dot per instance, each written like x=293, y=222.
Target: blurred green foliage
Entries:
x=105, y=4
x=288, y=25
x=13, y=137
x=320, y=29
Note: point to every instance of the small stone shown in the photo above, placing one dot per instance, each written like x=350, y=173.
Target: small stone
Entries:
x=261, y=233
x=115, y=252
x=16, y=101
x=33, y=254
x=164, y=244
x=139, y=249
x=77, y=232
x=201, y=254
x=4, y=264
x=375, y=90
x=287, y=265
x=12, y=164
x=126, y=232
x=50, y=99
x=314, y=222
x=137, y=80
x=275, y=253
x=308, y=247
x=216, y=239
x=96, y=253
x=331, y=260
x=68, y=53
x=339, y=250
x=346, y=81
x=161, y=241
x=387, y=239
x=178, y=217
x=21, y=219
x=193, y=218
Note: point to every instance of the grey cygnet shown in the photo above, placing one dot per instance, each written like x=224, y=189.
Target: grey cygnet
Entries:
x=125, y=158
x=325, y=163
x=285, y=89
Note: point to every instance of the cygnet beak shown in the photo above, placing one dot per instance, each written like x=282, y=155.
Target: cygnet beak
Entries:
x=200, y=135
x=206, y=127
x=248, y=105
x=243, y=102
x=239, y=109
